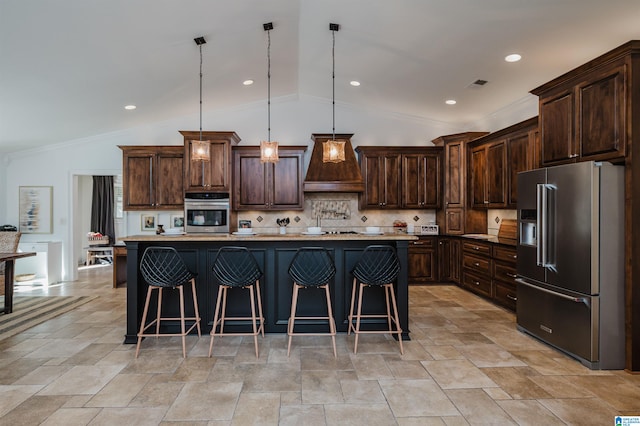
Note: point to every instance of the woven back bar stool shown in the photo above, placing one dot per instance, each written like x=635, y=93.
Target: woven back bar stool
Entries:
x=236, y=267
x=378, y=266
x=163, y=268
x=312, y=267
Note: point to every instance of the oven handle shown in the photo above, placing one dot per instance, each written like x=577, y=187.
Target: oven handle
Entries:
x=584, y=300
x=191, y=204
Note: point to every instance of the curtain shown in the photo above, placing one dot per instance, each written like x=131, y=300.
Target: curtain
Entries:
x=102, y=207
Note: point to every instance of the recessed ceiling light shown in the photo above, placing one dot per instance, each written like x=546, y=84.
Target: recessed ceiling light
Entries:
x=514, y=57
x=130, y=107
x=450, y=102
x=355, y=83
x=248, y=82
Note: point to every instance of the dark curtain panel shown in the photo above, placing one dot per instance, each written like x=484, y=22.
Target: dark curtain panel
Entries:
x=102, y=207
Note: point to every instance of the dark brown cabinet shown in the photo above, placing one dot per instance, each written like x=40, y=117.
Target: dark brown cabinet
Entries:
x=400, y=177
x=585, y=117
x=421, y=180
x=422, y=261
x=504, y=275
x=152, y=177
x=449, y=259
x=455, y=218
x=268, y=186
x=476, y=267
x=495, y=161
x=213, y=175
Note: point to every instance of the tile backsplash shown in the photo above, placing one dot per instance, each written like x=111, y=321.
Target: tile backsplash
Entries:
x=337, y=212
x=495, y=217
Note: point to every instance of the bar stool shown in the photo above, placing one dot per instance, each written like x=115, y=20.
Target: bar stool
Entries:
x=312, y=267
x=236, y=267
x=378, y=266
x=163, y=268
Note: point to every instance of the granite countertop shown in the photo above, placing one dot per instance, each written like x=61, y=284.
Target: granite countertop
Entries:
x=271, y=237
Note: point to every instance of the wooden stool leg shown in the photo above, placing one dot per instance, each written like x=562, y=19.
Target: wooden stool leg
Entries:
x=216, y=315
x=195, y=305
x=182, y=325
x=159, y=313
x=353, y=299
x=254, y=320
x=144, y=319
x=357, y=329
x=388, y=289
x=397, y=319
x=292, y=317
x=332, y=323
x=259, y=297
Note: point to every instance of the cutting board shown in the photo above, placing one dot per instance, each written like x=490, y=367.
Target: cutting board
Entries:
x=508, y=229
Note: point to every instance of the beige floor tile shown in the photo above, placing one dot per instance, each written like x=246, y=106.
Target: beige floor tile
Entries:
x=517, y=382
x=128, y=416
x=295, y=415
x=314, y=359
x=82, y=380
x=583, y=412
x=193, y=370
x=92, y=353
x=529, y=413
x=561, y=386
x=33, y=410
x=489, y=355
x=272, y=378
x=205, y=401
x=421, y=421
x=260, y=408
x=370, y=367
x=442, y=352
x=71, y=417
x=415, y=398
x=43, y=375
x=358, y=414
x=626, y=397
x=408, y=370
x=321, y=387
x=157, y=395
x=362, y=392
x=119, y=391
x=457, y=374
x=60, y=348
x=478, y=408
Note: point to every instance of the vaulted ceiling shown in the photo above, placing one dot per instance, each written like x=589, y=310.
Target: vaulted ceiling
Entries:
x=68, y=67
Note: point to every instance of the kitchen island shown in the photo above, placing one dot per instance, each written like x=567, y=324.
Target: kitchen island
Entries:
x=274, y=253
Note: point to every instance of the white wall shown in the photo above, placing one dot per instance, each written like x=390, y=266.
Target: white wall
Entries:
x=293, y=120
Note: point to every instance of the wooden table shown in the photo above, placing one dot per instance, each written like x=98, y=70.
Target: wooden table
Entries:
x=9, y=259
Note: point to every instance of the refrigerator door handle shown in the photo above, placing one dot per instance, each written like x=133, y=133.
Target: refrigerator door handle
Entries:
x=584, y=300
x=539, y=222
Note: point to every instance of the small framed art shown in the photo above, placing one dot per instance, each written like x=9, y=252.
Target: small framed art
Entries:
x=148, y=222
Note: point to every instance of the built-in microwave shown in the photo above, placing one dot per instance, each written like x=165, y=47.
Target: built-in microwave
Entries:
x=206, y=212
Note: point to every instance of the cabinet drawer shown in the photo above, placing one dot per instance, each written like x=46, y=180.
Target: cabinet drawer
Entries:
x=477, y=264
x=424, y=242
x=475, y=247
x=504, y=272
x=477, y=283
x=506, y=295
x=508, y=254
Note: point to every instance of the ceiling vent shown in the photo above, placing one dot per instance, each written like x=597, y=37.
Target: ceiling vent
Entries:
x=477, y=84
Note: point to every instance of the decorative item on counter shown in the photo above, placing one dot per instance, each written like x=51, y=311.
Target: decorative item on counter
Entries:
x=244, y=224
x=282, y=223
x=160, y=229
x=400, y=225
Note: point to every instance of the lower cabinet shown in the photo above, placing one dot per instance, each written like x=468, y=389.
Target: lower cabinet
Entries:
x=422, y=261
x=449, y=259
x=504, y=276
x=476, y=267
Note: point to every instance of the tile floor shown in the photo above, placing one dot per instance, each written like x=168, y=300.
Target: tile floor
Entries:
x=466, y=364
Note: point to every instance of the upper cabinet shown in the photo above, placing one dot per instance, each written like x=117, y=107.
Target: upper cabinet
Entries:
x=400, y=177
x=152, y=177
x=584, y=113
x=268, y=186
x=381, y=174
x=215, y=174
x=455, y=218
x=495, y=161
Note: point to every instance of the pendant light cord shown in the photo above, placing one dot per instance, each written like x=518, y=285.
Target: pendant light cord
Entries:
x=200, y=92
x=333, y=81
x=269, y=86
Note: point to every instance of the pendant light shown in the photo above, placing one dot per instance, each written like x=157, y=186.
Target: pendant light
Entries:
x=268, y=148
x=333, y=150
x=200, y=148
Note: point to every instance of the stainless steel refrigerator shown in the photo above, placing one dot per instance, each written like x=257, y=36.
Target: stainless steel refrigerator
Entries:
x=571, y=260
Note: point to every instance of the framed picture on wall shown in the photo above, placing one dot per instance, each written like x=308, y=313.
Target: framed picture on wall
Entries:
x=176, y=221
x=36, y=209
x=148, y=222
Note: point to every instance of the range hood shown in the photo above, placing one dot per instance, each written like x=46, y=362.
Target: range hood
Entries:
x=333, y=177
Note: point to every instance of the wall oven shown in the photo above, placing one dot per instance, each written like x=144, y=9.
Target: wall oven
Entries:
x=206, y=212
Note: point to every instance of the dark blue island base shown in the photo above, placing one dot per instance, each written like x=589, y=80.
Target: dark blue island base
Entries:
x=274, y=255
